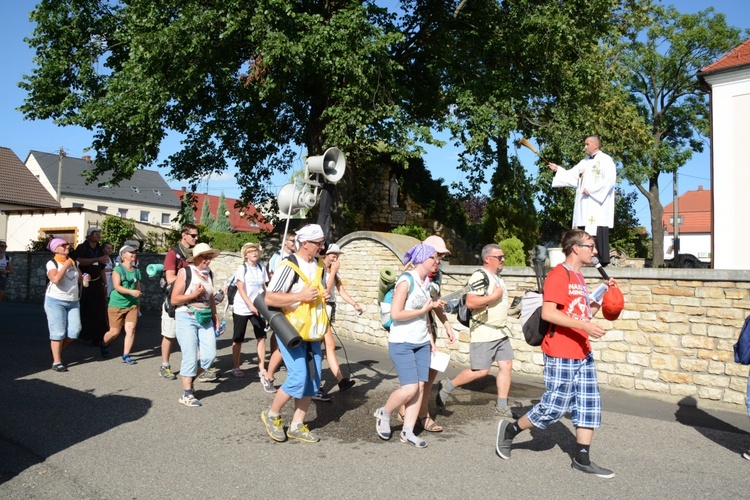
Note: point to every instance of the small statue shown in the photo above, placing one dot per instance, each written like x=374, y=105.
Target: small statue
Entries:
x=393, y=191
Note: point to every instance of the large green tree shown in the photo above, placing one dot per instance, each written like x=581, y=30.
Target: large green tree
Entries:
x=660, y=64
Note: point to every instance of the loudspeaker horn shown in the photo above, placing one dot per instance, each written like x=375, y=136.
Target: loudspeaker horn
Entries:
x=292, y=198
x=331, y=165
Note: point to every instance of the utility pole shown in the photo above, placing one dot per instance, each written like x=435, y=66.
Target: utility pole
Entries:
x=59, y=174
x=676, y=220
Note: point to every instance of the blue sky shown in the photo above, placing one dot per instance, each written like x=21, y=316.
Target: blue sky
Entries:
x=23, y=136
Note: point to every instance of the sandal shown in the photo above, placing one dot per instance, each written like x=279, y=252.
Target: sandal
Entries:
x=238, y=373
x=413, y=440
x=431, y=427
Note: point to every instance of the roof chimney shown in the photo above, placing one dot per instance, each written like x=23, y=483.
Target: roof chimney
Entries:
x=700, y=187
x=86, y=158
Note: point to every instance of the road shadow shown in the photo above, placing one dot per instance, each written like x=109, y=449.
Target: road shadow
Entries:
x=711, y=427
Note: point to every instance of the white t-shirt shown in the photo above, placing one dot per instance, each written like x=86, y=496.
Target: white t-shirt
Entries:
x=253, y=279
x=488, y=323
x=283, y=277
x=202, y=302
x=67, y=288
x=415, y=329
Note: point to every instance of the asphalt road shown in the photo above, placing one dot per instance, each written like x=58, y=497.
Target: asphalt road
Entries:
x=110, y=430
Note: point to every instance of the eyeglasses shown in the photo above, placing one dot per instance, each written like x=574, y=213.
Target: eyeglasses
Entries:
x=498, y=257
x=591, y=246
x=319, y=243
x=193, y=235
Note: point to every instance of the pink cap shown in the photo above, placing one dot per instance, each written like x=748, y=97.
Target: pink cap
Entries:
x=54, y=243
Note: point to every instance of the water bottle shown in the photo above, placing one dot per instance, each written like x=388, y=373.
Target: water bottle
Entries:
x=222, y=328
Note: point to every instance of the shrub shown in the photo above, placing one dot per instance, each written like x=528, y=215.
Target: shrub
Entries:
x=514, y=254
x=116, y=230
x=230, y=242
x=417, y=232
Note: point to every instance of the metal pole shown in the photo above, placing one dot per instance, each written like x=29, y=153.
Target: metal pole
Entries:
x=676, y=220
x=59, y=175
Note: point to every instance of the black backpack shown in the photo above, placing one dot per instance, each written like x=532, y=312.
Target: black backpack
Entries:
x=533, y=326
x=463, y=313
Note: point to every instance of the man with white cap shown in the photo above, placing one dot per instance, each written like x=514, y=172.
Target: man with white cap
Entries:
x=92, y=261
x=332, y=281
x=288, y=289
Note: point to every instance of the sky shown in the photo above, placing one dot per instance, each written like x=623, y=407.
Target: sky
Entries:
x=22, y=136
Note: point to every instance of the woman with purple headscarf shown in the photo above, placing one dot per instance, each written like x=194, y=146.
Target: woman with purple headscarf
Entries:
x=62, y=301
x=410, y=343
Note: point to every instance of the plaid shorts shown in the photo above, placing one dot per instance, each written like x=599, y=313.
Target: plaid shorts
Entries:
x=570, y=385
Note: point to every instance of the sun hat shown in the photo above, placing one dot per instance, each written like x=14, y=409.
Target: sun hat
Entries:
x=247, y=246
x=128, y=248
x=334, y=248
x=93, y=230
x=203, y=250
x=613, y=303
x=437, y=243
x=54, y=243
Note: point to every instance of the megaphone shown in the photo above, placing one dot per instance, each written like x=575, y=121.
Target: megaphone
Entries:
x=331, y=165
x=292, y=198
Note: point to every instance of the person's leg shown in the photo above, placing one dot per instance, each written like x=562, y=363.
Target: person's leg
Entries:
x=206, y=345
x=168, y=326
x=275, y=361
x=481, y=356
x=186, y=330
x=238, y=337
x=260, y=350
x=259, y=329
x=57, y=323
x=116, y=323
x=333, y=363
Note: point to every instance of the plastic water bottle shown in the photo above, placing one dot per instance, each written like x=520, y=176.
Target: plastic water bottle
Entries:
x=222, y=328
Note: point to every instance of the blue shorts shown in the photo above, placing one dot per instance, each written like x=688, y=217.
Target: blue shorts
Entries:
x=412, y=361
x=63, y=318
x=570, y=385
x=303, y=367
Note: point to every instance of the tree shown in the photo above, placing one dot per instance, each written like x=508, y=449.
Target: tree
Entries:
x=206, y=218
x=661, y=64
x=116, y=230
x=221, y=224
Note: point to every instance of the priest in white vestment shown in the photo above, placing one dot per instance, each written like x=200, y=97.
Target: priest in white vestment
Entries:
x=594, y=179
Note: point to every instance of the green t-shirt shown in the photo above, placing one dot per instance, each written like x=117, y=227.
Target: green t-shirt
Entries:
x=128, y=279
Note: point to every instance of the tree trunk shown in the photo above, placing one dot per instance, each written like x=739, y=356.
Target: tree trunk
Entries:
x=657, y=230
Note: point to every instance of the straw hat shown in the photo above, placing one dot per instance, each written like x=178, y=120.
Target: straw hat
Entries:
x=203, y=250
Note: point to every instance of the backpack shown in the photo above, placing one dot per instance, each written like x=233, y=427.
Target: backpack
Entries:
x=742, y=347
x=533, y=326
x=170, y=308
x=232, y=287
x=463, y=313
x=385, y=305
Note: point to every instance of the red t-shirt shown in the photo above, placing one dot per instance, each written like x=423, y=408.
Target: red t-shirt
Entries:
x=568, y=290
x=174, y=262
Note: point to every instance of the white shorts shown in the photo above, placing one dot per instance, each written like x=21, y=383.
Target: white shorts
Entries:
x=167, y=325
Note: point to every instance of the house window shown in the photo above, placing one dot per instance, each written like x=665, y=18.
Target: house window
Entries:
x=77, y=205
x=679, y=219
x=102, y=209
x=122, y=212
x=135, y=189
x=157, y=192
x=144, y=216
x=165, y=219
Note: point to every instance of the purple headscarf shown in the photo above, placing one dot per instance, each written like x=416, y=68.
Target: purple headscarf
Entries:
x=418, y=254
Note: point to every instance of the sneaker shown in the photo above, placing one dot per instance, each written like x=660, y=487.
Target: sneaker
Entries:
x=322, y=396
x=267, y=385
x=236, y=372
x=166, y=372
x=382, y=424
x=303, y=433
x=207, y=376
x=503, y=412
x=746, y=455
x=594, y=469
x=215, y=371
x=59, y=367
x=190, y=400
x=439, y=401
x=103, y=349
x=346, y=384
x=503, y=445
x=274, y=427
x=127, y=359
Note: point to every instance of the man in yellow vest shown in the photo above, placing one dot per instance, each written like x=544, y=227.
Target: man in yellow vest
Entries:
x=297, y=286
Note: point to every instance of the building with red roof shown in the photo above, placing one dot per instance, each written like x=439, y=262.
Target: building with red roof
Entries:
x=728, y=83
x=694, y=218
x=243, y=219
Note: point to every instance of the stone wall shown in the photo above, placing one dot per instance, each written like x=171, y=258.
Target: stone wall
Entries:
x=674, y=338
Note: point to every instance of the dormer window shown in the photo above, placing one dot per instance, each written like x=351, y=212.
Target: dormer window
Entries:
x=135, y=189
x=157, y=192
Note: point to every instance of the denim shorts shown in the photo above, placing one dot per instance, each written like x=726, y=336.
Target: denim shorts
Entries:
x=412, y=361
x=63, y=318
x=303, y=368
x=194, y=338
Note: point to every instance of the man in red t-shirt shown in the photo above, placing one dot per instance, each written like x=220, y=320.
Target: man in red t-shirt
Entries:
x=569, y=370
x=175, y=260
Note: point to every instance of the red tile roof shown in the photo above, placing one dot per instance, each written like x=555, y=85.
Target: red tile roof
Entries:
x=737, y=57
x=247, y=224
x=19, y=186
x=695, y=209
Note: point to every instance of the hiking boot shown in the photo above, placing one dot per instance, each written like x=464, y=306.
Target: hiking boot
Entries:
x=503, y=412
x=267, y=385
x=503, y=445
x=59, y=367
x=274, y=427
x=166, y=372
x=594, y=469
x=346, y=384
x=303, y=433
x=207, y=376
x=190, y=400
x=322, y=396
